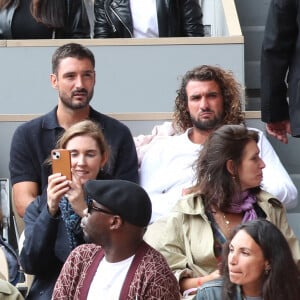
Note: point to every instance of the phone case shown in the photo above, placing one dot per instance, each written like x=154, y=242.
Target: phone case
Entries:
x=61, y=162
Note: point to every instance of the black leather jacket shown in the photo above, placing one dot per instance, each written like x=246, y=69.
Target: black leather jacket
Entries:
x=176, y=18
x=77, y=23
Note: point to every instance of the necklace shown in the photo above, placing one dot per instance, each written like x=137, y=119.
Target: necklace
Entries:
x=227, y=222
x=222, y=221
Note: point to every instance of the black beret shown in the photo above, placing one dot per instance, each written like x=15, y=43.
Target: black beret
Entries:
x=123, y=198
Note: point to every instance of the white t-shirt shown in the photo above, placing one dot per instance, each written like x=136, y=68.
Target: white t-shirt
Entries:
x=144, y=16
x=108, y=280
x=166, y=169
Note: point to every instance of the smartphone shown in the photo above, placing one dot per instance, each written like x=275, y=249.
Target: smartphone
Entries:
x=61, y=162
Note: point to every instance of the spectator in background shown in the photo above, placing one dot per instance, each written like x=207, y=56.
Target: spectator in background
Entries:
x=12, y=260
x=227, y=193
x=145, y=19
x=280, y=70
x=207, y=98
x=74, y=77
x=116, y=263
x=257, y=264
x=52, y=220
x=41, y=19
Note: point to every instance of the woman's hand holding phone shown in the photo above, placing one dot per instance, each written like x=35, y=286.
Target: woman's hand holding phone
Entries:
x=76, y=195
x=58, y=186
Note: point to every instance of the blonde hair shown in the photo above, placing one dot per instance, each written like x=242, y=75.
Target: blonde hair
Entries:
x=85, y=128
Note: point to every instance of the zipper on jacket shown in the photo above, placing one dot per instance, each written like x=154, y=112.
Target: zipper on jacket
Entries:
x=118, y=17
x=110, y=21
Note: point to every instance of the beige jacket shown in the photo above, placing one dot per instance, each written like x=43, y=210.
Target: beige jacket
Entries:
x=9, y=292
x=185, y=237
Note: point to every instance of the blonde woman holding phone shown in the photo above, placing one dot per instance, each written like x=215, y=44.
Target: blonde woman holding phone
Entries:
x=52, y=220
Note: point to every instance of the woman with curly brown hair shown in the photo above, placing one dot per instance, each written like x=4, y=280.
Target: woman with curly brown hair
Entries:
x=42, y=19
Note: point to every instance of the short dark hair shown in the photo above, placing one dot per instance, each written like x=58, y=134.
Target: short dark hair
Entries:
x=213, y=179
x=71, y=50
x=230, y=89
x=283, y=280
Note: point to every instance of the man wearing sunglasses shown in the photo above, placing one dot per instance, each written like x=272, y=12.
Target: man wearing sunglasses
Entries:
x=117, y=264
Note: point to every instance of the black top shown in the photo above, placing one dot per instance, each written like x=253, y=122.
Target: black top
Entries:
x=280, y=65
x=16, y=22
x=24, y=26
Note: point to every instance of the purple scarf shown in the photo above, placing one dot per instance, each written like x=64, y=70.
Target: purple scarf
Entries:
x=244, y=203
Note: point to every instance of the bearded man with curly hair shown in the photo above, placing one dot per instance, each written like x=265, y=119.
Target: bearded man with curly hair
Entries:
x=208, y=98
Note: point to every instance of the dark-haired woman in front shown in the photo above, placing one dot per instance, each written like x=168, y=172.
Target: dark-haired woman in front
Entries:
x=257, y=264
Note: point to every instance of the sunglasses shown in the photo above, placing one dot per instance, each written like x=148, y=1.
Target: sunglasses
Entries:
x=91, y=207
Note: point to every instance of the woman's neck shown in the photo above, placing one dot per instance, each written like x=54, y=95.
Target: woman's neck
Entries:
x=252, y=289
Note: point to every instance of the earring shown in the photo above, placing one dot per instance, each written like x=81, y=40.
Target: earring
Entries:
x=267, y=270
